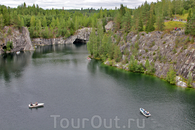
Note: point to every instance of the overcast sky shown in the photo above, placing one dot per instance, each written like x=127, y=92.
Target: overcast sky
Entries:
x=76, y=4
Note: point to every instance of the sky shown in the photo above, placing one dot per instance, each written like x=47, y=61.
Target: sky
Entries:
x=76, y=4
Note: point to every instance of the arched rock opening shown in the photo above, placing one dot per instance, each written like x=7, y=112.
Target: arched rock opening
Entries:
x=79, y=41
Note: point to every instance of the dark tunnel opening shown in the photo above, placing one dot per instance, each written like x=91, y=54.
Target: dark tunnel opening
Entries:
x=79, y=41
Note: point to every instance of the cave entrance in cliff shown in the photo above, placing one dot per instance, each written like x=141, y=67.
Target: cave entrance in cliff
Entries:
x=79, y=41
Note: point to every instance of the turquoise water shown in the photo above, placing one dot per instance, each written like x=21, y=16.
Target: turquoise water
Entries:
x=82, y=94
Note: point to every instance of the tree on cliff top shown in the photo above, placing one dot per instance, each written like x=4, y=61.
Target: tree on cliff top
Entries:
x=190, y=26
x=127, y=22
x=1, y=21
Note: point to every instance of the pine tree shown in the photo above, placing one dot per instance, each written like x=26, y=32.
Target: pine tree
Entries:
x=15, y=19
x=95, y=47
x=110, y=48
x=100, y=34
x=90, y=42
x=52, y=25
x=190, y=78
x=117, y=21
x=127, y=22
x=1, y=21
x=171, y=74
x=76, y=23
x=122, y=10
x=147, y=66
x=131, y=63
x=145, y=14
x=22, y=22
x=104, y=47
x=150, y=23
x=44, y=23
x=190, y=26
x=159, y=17
x=39, y=28
x=140, y=26
x=45, y=33
x=32, y=21
x=6, y=17
x=117, y=53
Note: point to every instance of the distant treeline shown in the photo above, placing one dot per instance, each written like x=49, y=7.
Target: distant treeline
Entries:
x=48, y=23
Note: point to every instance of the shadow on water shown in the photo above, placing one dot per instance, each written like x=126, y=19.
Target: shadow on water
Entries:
x=13, y=64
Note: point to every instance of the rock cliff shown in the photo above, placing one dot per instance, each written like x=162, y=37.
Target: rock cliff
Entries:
x=20, y=39
x=164, y=49
x=81, y=34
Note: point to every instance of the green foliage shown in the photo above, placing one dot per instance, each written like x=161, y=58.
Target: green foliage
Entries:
x=190, y=26
x=122, y=10
x=150, y=68
x=174, y=51
x=134, y=66
x=44, y=23
x=190, y=79
x=127, y=22
x=9, y=32
x=159, y=17
x=117, y=53
x=15, y=21
x=171, y=74
x=104, y=47
x=117, y=21
x=22, y=22
x=1, y=21
x=9, y=46
x=45, y=33
x=150, y=22
x=146, y=50
x=140, y=26
x=100, y=33
x=90, y=43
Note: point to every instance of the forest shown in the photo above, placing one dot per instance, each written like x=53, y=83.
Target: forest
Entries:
x=52, y=23
x=49, y=23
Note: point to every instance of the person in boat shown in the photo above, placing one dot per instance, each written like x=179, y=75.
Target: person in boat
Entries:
x=147, y=112
x=31, y=104
x=36, y=103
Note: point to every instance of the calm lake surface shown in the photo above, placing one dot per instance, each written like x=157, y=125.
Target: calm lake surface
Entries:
x=85, y=94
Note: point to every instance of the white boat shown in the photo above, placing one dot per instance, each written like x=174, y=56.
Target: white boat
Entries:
x=36, y=105
x=144, y=112
x=18, y=52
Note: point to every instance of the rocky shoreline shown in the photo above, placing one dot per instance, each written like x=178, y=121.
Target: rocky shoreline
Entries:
x=22, y=42
x=179, y=80
x=80, y=35
x=164, y=50
x=159, y=47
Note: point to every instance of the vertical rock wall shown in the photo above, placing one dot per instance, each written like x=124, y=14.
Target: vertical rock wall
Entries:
x=20, y=39
x=164, y=50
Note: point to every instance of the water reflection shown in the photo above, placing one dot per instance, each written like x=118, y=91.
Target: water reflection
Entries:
x=13, y=64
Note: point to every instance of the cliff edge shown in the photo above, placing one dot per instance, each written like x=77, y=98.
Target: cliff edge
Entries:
x=20, y=39
x=163, y=49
